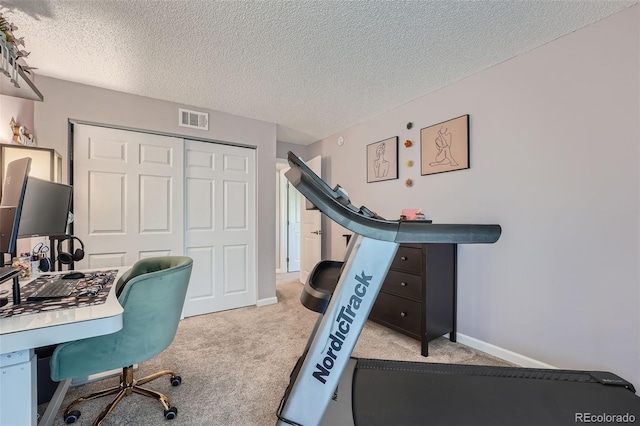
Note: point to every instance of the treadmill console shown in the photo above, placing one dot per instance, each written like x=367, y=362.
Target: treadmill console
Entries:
x=336, y=204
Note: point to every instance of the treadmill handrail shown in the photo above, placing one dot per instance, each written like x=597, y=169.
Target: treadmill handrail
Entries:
x=340, y=210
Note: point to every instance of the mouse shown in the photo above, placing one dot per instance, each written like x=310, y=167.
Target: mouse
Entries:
x=73, y=276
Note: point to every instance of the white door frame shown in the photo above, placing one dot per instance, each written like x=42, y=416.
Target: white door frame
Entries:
x=310, y=228
x=283, y=205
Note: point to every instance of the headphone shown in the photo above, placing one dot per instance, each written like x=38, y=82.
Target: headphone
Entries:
x=68, y=258
x=40, y=251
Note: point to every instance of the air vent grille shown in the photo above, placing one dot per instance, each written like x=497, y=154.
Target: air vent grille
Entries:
x=193, y=119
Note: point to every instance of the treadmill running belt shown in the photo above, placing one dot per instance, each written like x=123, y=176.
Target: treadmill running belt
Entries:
x=408, y=393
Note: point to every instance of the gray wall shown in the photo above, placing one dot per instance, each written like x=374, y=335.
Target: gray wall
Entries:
x=283, y=148
x=555, y=155
x=65, y=100
x=21, y=110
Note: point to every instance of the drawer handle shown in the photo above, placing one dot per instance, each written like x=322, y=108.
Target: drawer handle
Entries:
x=403, y=314
x=403, y=284
x=403, y=258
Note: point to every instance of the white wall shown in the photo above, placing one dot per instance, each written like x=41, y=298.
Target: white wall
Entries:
x=66, y=101
x=554, y=137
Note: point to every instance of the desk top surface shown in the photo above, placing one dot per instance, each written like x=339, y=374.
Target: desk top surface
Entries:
x=20, y=332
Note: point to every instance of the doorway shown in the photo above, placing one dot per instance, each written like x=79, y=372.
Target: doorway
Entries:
x=288, y=223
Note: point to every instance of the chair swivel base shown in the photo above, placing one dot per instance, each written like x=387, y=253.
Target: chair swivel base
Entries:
x=128, y=385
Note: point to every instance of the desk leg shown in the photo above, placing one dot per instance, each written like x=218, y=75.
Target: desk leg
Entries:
x=18, y=387
x=54, y=405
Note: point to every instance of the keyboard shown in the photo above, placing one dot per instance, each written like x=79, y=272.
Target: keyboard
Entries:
x=53, y=290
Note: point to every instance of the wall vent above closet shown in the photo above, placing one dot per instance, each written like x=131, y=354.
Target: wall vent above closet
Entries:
x=193, y=119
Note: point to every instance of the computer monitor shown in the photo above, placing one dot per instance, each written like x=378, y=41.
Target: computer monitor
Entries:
x=45, y=209
x=13, y=190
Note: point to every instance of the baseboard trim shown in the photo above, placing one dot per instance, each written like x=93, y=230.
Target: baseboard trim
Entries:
x=267, y=301
x=505, y=354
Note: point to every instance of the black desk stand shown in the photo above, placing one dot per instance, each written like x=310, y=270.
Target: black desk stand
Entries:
x=11, y=274
x=53, y=243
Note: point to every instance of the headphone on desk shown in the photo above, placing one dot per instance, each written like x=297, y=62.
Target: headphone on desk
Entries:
x=68, y=258
x=40, y=252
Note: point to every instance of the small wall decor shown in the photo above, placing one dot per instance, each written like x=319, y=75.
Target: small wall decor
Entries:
x=382, y=160
x=408, y=143
x=409, y=163
x=444, y=147
x=20, y=134
x=408, y=183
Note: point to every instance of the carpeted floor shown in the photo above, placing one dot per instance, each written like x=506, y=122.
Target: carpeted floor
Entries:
x=235, y=365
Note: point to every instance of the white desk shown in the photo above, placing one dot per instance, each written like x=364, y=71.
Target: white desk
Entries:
x=21, y=334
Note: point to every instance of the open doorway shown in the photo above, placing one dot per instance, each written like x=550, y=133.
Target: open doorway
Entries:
x=288, y=222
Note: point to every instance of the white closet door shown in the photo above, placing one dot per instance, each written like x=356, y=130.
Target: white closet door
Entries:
x=220, y=226
x=128, y=195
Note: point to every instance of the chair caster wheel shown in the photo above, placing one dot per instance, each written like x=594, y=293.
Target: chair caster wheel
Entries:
x=175, y=381
x=72, y=417
x=171, y=413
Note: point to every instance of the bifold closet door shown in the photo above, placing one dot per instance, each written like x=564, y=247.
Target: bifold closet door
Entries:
x=128, y=195
x=220, y=226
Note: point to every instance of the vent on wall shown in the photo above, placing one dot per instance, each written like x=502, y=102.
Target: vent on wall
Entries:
x=193, y=119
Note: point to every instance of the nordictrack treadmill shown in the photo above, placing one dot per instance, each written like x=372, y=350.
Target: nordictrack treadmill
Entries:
x=328, y=387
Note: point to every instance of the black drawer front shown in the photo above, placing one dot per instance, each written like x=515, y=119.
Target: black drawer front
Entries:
x=408, y=259
x=398, y=312
x=403, y=284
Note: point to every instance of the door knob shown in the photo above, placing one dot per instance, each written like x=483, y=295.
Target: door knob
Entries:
x=318, y=232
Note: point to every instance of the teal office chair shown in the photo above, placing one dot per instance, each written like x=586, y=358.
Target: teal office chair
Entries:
x=152, y=294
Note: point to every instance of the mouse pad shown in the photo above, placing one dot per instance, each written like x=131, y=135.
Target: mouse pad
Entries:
x=91, y=290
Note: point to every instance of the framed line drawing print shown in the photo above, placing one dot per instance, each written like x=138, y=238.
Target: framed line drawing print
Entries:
x=382, y=160
x=444, y=147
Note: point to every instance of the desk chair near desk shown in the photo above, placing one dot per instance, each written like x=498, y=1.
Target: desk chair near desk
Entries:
x=152, y=294
x=137, y=321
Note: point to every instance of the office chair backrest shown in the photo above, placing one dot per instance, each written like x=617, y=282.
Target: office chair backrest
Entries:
x=152, y=296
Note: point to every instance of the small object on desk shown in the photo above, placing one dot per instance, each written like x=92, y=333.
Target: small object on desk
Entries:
x=73, y=276
x=23, y=263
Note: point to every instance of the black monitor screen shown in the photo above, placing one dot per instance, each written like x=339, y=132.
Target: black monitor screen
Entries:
x=45, y=209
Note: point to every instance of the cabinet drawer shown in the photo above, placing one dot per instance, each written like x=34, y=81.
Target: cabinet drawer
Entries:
x=408, y=259
x=403, y=284
x=398, y=312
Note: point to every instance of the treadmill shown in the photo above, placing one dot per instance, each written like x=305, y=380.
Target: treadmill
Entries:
x=329, y=387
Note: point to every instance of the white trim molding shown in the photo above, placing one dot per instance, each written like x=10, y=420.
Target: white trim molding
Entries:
x=267, y=301
x=505, y=354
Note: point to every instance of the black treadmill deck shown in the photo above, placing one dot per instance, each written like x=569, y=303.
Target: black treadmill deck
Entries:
x=414, y=393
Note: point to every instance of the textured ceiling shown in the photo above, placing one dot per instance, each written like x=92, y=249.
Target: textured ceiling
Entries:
x=312, y=67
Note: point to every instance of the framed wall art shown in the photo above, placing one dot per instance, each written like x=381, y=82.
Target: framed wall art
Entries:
x=382, y=160
x=444, y=147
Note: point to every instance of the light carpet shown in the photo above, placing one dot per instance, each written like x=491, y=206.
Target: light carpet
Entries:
x=235, y=365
